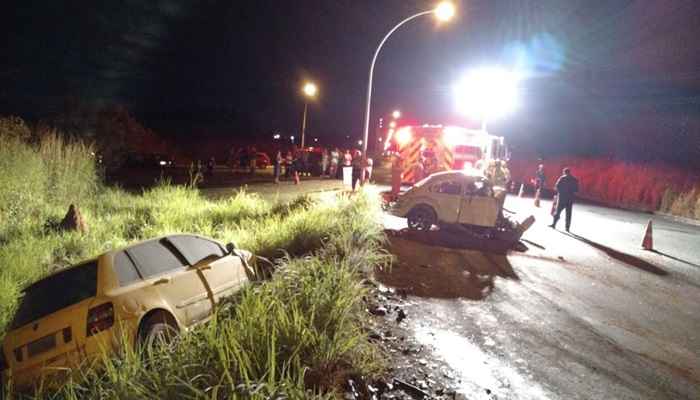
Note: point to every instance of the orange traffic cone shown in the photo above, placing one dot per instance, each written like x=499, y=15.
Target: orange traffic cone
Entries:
x=648, y=242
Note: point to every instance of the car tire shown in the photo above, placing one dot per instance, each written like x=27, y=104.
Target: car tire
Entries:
x=156, y=332
x=421, y=218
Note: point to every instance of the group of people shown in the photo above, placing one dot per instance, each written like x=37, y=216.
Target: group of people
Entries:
x=294, y=162
x=245, y=158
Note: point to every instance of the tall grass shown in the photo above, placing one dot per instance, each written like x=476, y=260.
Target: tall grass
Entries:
x=641, y=186
x=298, y=334
x=684, y=204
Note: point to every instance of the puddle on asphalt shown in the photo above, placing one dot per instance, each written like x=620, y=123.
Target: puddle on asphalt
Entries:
x=482, y=375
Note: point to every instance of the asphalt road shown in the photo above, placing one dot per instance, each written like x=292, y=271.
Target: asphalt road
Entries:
x=586, y=315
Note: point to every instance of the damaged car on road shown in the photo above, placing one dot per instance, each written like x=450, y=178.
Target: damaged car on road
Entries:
x=460, y=199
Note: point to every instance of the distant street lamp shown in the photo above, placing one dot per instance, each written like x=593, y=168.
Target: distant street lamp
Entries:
x=310, y=89
x=443, y=12
x=396, y=114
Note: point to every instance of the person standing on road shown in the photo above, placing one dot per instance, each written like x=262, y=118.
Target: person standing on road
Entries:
x=296, y=164
x=335, y=156
x=253, y=160
x=288, y=165
x=324, y=162
x=278, y=165
x=566, y=186
x=539, y=183
x=357, y=168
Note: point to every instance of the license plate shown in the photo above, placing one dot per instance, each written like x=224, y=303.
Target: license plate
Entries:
x=41, y=345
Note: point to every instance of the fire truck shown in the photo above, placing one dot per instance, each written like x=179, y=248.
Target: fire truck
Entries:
x=424, y=150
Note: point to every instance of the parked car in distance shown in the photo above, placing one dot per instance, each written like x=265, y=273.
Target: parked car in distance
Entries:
x=451, y=197
x=156, y=287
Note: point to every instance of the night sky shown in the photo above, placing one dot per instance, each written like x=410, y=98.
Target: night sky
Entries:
x=618, y=78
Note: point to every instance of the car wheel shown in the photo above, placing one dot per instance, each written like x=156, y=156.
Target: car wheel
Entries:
x=421, y=218
x=157, y=332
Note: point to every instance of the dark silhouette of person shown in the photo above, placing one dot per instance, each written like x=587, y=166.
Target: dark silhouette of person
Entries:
x=566, y=186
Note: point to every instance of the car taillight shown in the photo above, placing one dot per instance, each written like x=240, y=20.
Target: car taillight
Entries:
x=100, y=318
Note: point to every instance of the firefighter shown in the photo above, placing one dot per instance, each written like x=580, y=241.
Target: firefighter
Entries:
x=428, y=160
x=566, y=186
x=498, y=174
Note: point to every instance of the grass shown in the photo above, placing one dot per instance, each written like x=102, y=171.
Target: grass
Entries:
x=640, y=186
x=684, y=204
x=298, y=334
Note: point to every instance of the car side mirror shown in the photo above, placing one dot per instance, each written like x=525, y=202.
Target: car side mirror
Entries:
x=230, y=247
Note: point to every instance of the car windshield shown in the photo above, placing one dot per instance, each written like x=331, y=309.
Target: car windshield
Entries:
x=195, y=249
x=56, y=292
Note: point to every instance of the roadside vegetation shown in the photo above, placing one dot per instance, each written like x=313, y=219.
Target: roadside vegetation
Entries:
x=650, y=187
x=299, y=334
x=684, y=204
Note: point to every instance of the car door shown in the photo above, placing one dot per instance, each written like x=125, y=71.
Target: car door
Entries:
x=223, y=274
x=447, y=198
x=162, y=266
x=479, y=206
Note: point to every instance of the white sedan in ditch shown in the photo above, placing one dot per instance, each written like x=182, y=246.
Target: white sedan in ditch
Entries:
x=452, y=197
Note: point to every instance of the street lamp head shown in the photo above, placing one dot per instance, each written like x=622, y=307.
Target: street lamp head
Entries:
x=444, y=11
x=310, y=89
x=396, y=114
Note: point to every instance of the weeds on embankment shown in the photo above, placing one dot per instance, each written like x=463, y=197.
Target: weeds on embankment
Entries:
x=298, y=334
x=645, y=186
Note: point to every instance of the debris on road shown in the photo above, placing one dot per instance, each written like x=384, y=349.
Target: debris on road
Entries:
x=413, y=373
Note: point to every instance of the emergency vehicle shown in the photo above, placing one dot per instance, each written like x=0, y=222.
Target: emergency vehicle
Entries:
x=424, y=150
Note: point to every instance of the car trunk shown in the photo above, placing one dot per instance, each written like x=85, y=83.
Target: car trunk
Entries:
x=49, y=328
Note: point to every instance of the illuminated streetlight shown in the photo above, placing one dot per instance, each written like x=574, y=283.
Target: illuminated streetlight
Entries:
x=310, y=89
x=396, y=114
x=443, y=12
x=291, y=138
x=276, y=136
x=487, y=93
x=392, y=124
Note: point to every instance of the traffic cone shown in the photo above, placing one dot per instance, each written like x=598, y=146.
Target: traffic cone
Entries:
x=648, y=242
x=537, y=198
x=522, y=190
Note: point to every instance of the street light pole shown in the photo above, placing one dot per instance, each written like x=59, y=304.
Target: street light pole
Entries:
x=303, y=124
x=371, y=74
x=309, y=90
x=443, y=12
